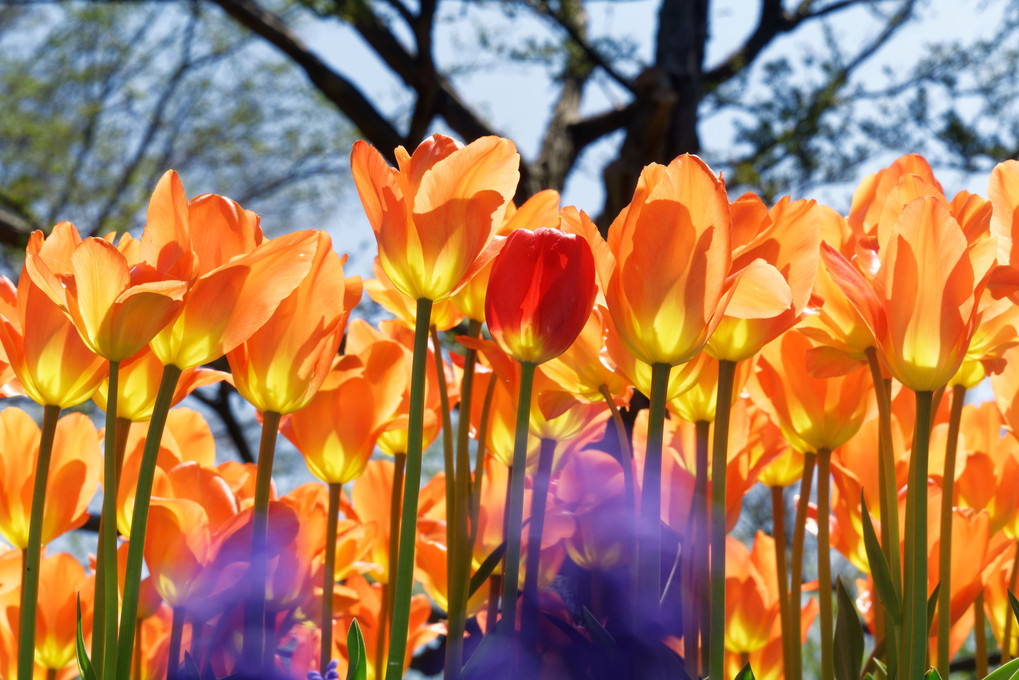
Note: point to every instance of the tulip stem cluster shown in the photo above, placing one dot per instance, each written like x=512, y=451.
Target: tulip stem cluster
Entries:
x=945, y=548
x=412, y=484
x=515, y=504
x=108, y=524
x=464, y=526
x=329, y=577
x=719, y=462
x=139, y=524
x=915, y=580
x=33, y=552
x=649, y=555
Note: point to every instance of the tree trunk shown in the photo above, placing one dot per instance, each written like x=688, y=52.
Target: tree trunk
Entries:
x=668, y=94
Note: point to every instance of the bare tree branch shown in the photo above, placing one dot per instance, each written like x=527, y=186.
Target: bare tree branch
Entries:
x=574, y=30
x=774, y=20
x=220, y=404
x=338, y=89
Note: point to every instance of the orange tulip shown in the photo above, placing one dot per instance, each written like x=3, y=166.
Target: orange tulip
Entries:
x=841, y=334
x=235, y=279
x=444, y=315
x=435, y=215
x=186, y=438
x=922, y=308
x=751, y=593
x=787, y=237
x=337, y=430
x=590, y=486
x=138, y=381
x=73, y=476
x=540, y=210
x=365, y=608
x=1003, y=193
x=53, y=366
x=360, y=338
x=62, y=580
x=969, y=529
x=666, y=281
x=282, y=364
x=117, y=306
x=814, y=414
x=586, y=366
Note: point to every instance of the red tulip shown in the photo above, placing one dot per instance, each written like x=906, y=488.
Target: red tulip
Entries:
x=540, y=293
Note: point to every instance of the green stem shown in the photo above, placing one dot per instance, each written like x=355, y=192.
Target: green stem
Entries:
x=448, y=463
x=795, y=668
x=329, y=578
x=254, y=611
x=140, y=519
x=1006, y=638
x=123, y=426
x=719, y=459
x=888, y=489
x=980, y=633
x=784, y=608
x=462, y=547
x=176, y=634
x=412, y=484
x=915, y=639
x=626, y=461
x=824, y=564
x=479, y=462
x=539, y=499
x=395, y=506
x=702, y=567
x=515, y=506
x=32, y=556
x=649, y=545
x=111, y=593
x=597, y=592
x=945, y=548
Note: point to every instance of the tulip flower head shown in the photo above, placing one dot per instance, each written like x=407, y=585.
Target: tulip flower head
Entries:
x=435, y=215
x=540, y=293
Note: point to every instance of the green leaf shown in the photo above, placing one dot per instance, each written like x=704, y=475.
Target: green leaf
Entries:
x=494, y=651
x=190, y=668
x=85, y=668
x=486, y=568
x=599, y=635
x=933, y=674
x=848, y=650
x=1006, y=672
x=746, y=673
x=879, y=570
x=932, y=605
x=1015, y=604
x=357, y=665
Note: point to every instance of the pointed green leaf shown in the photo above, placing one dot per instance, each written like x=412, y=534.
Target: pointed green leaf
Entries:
x=933, y=674
x=1015, y=604
x=190, y=668
x=85, y=668
x=1006, y=672
x=746, y=673
x=357, y=664
x=494, y=651
x=879, y=570
x=848, y=650
x=599, y=635
x=486, y=568
x=932, y=605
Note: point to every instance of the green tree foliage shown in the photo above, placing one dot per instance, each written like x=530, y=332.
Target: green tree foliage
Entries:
x=100, y=99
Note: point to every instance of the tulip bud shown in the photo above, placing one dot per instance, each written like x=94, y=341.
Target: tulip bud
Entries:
x=540, y=293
